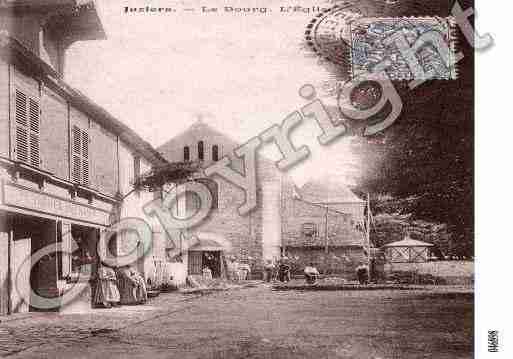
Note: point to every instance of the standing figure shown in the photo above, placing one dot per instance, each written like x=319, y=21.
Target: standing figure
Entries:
x=132, y=286
x=231, y=267
x=283, y=272
x=311, y=273
x=362, y=273
x=207, y=273
x=106, y=293
x=269, y=269
x=244, y=271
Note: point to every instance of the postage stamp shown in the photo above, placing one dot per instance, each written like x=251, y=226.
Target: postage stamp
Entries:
x=406, y=48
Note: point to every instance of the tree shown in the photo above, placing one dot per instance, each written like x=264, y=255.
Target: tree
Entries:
x=176, y=172
x=426, y=156
x=424, y=161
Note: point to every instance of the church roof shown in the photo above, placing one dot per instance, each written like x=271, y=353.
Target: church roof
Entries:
x=200, y=130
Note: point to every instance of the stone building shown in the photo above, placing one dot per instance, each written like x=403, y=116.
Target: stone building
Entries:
x=287, y=220
x=250, y=238
x=324, y=224
x=66, y=165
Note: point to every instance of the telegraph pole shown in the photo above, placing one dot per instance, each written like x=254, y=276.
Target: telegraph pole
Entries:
x=368, y=229
x=326, y=229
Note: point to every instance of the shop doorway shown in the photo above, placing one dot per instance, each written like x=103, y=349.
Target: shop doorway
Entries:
x=44, y=272
x=30, y=235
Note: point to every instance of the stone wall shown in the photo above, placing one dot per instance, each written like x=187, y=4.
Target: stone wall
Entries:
x=243, y=232
x=344, y=223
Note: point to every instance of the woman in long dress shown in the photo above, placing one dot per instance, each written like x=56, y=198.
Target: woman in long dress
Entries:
x=106, y=292
x=132, y=286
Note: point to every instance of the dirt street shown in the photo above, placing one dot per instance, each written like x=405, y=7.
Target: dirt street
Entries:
x=257, y=323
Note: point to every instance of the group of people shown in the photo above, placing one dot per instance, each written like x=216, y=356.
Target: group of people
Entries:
x=124, y=285
x=237, y=270
x=281, y=271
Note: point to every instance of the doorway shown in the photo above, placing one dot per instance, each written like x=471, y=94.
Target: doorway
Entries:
x=30, y=235
x=201, y=259
x=212, y=260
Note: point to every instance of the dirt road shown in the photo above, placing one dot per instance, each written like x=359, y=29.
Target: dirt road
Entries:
x=260, y=323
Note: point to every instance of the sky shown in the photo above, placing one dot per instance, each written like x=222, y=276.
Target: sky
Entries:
x=240, y=73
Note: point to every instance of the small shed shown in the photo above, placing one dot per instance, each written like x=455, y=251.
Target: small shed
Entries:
x=407, y=251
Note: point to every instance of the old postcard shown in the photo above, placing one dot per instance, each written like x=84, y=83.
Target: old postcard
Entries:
x=245, y=179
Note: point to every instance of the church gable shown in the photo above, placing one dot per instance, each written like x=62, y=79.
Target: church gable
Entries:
x=200, y=142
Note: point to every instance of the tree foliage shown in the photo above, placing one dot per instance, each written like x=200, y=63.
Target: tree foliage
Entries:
x=176, y=172
x=424, y=161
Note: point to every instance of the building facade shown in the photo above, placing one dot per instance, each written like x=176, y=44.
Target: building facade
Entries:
x=249, y=239
x=286, y=220
x=324, y=224
x=66, y=165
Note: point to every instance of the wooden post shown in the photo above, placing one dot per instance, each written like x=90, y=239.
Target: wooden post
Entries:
x=326, y=230
x=66, y=239
x=368, y=229
x=9, y=269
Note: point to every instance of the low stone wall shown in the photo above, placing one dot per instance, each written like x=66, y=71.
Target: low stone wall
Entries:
x=435, y=272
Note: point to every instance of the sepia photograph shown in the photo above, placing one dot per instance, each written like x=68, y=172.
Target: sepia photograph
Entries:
x=242, y=179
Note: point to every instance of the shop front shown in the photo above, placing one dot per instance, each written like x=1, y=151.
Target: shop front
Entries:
x=48, y=243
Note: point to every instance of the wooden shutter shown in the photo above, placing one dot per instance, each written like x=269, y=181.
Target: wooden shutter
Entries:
x=80, y=156
x=27, y=118
x=76, y=161
x=22, y=132
x=85, y=158
x=34, y=127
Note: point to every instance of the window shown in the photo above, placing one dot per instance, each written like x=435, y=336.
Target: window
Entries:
x=27, y=129
x=186, y=154
x=201, y=151
x=215, y=153
x=213, y=188
x=309, y=230
x=81, y=259
x=137, y=168
x=80, y=156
